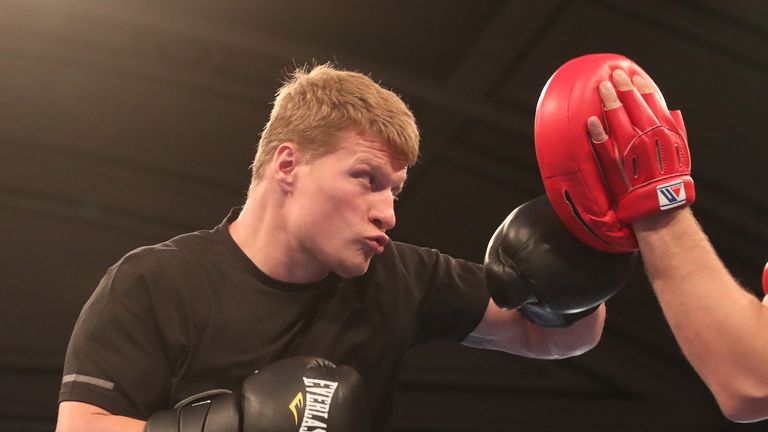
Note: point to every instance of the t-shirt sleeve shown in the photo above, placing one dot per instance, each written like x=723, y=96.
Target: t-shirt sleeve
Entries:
x=120, y=353
x=453, y=293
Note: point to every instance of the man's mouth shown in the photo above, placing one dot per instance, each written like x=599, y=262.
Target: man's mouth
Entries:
x=377, y=243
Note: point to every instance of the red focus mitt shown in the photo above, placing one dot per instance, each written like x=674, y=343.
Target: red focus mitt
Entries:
x=765, y=279
x=597, y=203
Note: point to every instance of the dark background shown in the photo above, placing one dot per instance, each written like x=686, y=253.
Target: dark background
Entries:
x=123, y=123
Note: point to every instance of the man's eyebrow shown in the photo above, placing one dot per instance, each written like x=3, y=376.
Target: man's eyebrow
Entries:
x=366, y=160
x=372, y=163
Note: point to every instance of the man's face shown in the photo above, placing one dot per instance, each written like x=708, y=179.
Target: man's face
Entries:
x=343, y=203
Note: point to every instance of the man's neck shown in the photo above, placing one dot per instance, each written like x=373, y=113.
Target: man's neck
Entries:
x=261, y=231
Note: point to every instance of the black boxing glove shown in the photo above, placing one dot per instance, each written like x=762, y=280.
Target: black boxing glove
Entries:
x=296, y=394
x=211, y=411
x=305, y=394
x=535, y=264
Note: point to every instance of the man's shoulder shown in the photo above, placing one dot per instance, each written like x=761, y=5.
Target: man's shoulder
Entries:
x=408, y=252
x=165, y=268
x=415, y=258
x=181, y=250
x=404, y=258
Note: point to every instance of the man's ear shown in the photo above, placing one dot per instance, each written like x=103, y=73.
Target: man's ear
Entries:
x=284, y=163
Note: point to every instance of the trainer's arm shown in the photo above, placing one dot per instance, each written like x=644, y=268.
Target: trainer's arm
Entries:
x=720, y=327
x=83, y=417
x=508, y=331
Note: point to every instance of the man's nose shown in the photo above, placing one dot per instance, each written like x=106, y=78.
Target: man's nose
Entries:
x=382, y=213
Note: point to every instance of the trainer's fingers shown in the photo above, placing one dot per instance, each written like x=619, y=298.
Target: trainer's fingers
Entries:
x=677, y=117
x=642, y=85
x=617, y=121
x=641, y=116
x=621, y=80
x=654, y=101
x=608, y=95
x=596, y=131
x=610, y=163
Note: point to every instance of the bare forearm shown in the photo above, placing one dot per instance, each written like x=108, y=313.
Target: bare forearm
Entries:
x=716, y=322
x=81, y=417
x=507, y=330
x=580, y=337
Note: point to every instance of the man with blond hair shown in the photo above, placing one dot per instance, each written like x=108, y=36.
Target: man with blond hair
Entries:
x=304, y=276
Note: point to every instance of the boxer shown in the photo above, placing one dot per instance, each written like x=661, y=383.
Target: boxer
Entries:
x=305, y=267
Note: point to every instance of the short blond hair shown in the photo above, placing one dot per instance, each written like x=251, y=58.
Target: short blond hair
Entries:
x=316, y=104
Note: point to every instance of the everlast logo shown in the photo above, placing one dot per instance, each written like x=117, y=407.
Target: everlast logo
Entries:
x=318, y=403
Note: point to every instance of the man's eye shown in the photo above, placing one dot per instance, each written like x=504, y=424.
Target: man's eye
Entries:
x=366, y=177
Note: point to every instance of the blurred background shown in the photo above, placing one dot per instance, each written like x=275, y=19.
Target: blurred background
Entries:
x=124, y=123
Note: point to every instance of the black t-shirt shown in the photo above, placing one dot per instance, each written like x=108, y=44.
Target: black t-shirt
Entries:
x=194, y=313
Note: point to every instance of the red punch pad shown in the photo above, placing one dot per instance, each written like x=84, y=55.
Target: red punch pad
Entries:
x=567, y=163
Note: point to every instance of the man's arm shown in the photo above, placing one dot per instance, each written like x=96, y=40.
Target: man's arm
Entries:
x=507, y=330
x=716, y=322
x=83, y=417
x=547, y=288
x=720, y=327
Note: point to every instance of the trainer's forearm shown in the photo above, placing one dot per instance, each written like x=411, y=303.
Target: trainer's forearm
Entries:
x=720, y=327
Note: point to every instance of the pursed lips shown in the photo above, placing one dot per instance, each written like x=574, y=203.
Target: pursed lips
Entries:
x=377, y=243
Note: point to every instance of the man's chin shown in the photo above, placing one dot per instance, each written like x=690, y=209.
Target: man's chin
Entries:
x=353, y=271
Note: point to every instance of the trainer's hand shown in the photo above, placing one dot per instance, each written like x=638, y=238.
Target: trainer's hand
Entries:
x=644, y=155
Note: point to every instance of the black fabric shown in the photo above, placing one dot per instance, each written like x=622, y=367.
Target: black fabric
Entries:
x=194, y=313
